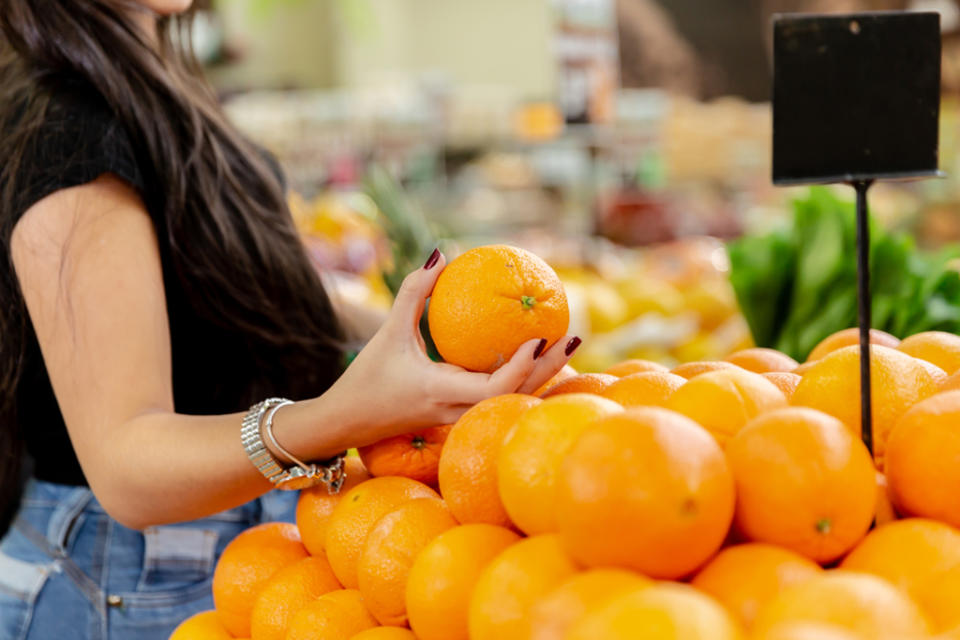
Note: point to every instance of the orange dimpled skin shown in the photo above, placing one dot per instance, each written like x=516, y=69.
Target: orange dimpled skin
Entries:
x=628, y=367
x=492, y=299
x=357, y=513
x=745, y=577
x=898, y=381
x=444, y=575
x=693, y=369
x=333, y=616
x=246, y=565
x=411, y=455
x=315, y=505
x=552, y=616
x=581, y=383
x=512, y=583
x=529, y=461
x=205, y=625
x=762, y=360
x=647, y=490
x=389, y=551
x=288, y=591
x=468, y=462
x=937, y=347
x=850, y=337
x=385, y=633
x=804, y=482
x=923, y=459
x=722, y=402
x=785, y=381
x=652, y=388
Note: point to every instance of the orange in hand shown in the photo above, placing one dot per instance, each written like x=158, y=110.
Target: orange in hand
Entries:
x=492, y=299
x=246, y=565
x=411, y=455
x=468, y=462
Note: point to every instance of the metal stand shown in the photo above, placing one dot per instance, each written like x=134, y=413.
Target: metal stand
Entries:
x=863, y=310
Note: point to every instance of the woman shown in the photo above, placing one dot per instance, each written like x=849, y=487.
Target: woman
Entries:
x=154, y=291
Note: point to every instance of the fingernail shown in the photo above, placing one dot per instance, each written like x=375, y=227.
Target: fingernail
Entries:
x=572, y=345
x=432, y=260
x=540, y=347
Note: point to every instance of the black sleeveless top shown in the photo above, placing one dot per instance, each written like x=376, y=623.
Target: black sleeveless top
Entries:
x=80, y=140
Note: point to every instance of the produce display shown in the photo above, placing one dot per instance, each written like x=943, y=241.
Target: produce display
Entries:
x=722, y=499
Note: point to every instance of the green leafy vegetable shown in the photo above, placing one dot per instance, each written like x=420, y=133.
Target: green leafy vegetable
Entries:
x=797, y=286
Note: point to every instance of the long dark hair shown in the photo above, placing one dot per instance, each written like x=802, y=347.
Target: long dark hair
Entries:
x=219, y=207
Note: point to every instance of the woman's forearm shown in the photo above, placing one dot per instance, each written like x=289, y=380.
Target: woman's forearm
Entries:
x=163, y=467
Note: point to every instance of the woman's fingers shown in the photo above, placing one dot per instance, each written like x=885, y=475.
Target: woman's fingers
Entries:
x=412, y=296
x=549, y=363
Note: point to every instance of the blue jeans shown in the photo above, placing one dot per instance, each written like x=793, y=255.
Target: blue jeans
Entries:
x=68, y=570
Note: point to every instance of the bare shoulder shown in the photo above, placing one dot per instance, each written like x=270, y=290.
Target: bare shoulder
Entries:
x=80, y=217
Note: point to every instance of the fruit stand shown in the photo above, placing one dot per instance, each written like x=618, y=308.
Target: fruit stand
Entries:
x=695, y=472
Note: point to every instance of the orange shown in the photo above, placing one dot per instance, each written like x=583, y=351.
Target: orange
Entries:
x=628, y=367
x=411, y=455
x=246, y=565
x=762, y=360
x=644, y=389
x=784, y=380
x=666, y=611
x=723, y=401
x=952, y=383
x=316, y=504
x=357, y=513
x=803, y=368
x=333, y=616
x=530, y=458
x=937, y=347
x=938, y=597
x=288, y=591
x=566, y=372
x=492, y=299
x=804, y=482
x=647, y=490
x=898, y=382
x=808, y=631
x=581, y=383
x=510, y=585
x=553, y=614
x=389, y=551
x=385, y=633
x=443, y=577
x=205, y=625
x=907, y=552
x=468, y=462
x=693, y=369
x=885, y=511
x=849, y=337
x=923, y=459
x=745, y=577
x=859, y=602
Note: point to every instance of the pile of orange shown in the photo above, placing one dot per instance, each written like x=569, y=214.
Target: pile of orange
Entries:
x=720, y=501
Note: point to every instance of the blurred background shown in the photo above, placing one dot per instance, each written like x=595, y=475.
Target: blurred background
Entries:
x=625, y=141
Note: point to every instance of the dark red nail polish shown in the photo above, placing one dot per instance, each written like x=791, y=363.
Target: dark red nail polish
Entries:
x=432, y=260
x=540, y=346
x=572, y=345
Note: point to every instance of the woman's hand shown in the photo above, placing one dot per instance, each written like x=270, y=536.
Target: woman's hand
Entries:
x=396, y=388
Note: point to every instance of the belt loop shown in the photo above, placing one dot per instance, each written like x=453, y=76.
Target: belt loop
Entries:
x=65, y=514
